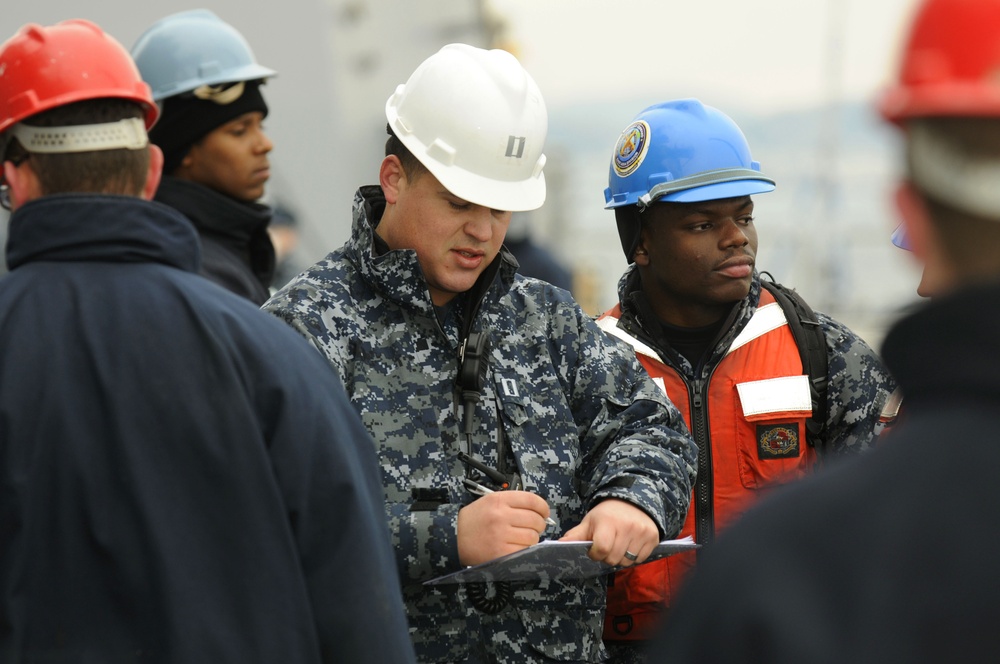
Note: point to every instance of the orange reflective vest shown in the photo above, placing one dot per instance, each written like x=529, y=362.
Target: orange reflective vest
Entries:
x=749, y=423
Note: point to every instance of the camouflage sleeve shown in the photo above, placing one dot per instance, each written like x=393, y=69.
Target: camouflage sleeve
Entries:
x=859, y=385
x=636, y=446
x=424, y=541
x=295, y=304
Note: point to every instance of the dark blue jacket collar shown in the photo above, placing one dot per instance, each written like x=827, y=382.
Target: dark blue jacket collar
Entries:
x=97, y=227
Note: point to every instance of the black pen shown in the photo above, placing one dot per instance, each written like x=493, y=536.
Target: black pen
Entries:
x=480, y=490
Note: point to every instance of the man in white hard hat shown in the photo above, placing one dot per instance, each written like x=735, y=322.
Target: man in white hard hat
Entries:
x=471, y=377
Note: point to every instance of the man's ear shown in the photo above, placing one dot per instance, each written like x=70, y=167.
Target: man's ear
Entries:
x=938, y=274
x=641, y=255
x=391, y=176
x=154, y=173
x=23, y=183
x=915, y=220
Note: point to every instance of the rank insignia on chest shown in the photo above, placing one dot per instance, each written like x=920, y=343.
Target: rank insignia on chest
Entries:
x=777, y=441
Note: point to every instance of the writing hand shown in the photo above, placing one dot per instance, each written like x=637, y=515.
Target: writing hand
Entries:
x=498, y=524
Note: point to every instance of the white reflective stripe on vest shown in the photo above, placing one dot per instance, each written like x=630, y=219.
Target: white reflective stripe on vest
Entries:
x=610, y=325
x=775, y=395
x=766, y=318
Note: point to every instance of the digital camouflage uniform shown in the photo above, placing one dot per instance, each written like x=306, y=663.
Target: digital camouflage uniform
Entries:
x=582, y=419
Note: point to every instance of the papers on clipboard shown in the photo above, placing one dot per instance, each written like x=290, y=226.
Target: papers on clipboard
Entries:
x=551, y=560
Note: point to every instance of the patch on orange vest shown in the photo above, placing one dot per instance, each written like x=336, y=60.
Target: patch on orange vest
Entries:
x=777, y=441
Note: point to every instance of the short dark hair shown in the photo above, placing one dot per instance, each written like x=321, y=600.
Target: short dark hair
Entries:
x=629, y=222
x=119, y=171
x=970, y=241
x=411, y=165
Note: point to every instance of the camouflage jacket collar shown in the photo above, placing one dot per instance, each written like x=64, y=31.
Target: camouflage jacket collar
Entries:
x=397, y=274
x=638, y=318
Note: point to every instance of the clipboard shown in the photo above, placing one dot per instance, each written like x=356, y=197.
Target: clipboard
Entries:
x=552, y=560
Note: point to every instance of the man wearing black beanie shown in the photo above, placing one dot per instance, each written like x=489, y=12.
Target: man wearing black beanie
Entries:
x=208, y=85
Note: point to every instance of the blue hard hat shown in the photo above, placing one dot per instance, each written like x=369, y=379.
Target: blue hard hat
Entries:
x=184, y=51
x=682, y=151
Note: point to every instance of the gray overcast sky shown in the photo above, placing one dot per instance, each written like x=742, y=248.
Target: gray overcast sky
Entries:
x=764, y=55
x=768, y=55
x=739, y=55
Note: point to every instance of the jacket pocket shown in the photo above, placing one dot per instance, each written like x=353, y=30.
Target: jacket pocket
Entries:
x=564, y=622
x=439, y=623
x=513, y=399
x=770, y=446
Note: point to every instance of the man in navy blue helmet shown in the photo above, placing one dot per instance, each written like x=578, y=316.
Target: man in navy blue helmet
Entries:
x=764, y=403
x=208, y=84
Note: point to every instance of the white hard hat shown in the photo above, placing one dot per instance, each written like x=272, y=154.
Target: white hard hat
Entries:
x=477, y=121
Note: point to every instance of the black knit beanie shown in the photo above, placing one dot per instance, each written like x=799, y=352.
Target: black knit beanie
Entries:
x=185, y=119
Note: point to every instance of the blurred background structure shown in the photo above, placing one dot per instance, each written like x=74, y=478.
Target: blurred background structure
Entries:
x=799, y=76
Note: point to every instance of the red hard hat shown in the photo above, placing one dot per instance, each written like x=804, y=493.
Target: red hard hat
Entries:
x=45, y=67
x=950, y=64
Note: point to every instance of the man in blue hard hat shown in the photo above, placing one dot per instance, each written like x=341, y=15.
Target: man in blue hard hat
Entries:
x=767, y=386
x=208, y=83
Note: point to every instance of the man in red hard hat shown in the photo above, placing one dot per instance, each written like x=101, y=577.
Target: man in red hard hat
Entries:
x=178, y=474
x=893, y=557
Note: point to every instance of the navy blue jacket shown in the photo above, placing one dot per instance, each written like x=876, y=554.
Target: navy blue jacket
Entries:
x=236, y=249
x=182, y=478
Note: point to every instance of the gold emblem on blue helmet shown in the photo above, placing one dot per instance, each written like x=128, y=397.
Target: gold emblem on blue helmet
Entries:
x=631, y=148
